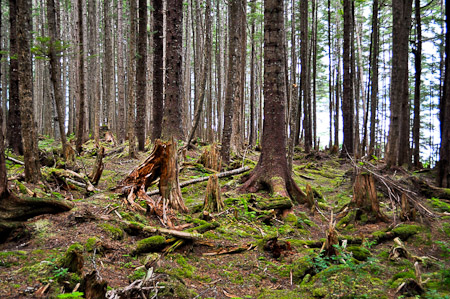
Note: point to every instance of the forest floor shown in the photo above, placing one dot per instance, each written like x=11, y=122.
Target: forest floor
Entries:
x=234, y=259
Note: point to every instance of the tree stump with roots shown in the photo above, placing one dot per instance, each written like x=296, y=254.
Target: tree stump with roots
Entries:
x=210, y=158
x=162, y=164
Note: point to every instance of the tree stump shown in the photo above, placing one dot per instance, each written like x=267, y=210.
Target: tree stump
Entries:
x=332, y=239
x=210, y=158
x=365, y=198
x=96, y=173
x=162, y=164
x=407, y=213
x=213, y=201
x=310, y=197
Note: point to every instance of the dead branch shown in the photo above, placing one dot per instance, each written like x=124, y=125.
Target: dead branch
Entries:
x=14, y=160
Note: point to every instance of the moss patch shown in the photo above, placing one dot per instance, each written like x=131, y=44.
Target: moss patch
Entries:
x=152, y=244
x=114, y=232
x=404, y=231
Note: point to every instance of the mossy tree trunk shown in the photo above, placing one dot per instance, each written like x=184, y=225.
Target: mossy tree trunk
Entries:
x=272, y=170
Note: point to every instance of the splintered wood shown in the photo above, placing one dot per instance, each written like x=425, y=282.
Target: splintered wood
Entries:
x=213, y=201
x=162, y=164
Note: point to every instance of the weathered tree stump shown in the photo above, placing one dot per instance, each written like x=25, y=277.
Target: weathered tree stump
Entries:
x=109, y=137
x=213, y=201
x=332, y=239
x=210, y=158
x=97, y=171
x=162, y=164
x=407, y=213
x=310, y=197
x=93, y=286
x=365, y=198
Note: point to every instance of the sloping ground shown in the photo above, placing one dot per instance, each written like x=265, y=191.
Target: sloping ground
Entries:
x=239, y=258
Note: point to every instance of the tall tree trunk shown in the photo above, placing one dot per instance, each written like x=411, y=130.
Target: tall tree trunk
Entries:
x=330, y=78
x=314, y=75
x=347, y=99
x=80, y=106
x=374, y=77
x=233, y=76
x=294, y=92
x=158, y=81
x=93, y=75
x=272, y=170
x=304, y=84
x=172, y=124
x=29, y=136
x=398, y=143
x=444, y=116
x=131, y=80
x=55, y=74
x=418, y=66
x=141, y=75
x=252, y=129
x=120, y=75
x=219, y=68
x=109, y=96
x=14, y=131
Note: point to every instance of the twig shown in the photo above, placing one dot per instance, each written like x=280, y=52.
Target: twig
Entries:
x=14, y=160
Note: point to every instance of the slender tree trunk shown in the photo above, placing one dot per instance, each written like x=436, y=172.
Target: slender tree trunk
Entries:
x=418, y=66
x=93, y=75
x=141, y=74
x=304, y=84
x=120, y=75
x=80, y=106
x=109, y=97
x=252, y=129
x=314, y=75
x=14, y=131
x=444, y=105
x=25, y=76
x=172, y=124
x=233, y=76
x=55, y=74
x=294, y=92
x=131, y=80
x=330, y=78
x=347, y=100
x=374, y=77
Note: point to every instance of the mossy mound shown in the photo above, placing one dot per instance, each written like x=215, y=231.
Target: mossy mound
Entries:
x=152, y=244
x=359, y=253
x=302, y=266
x=439, y=205
x=114, y=232
x=404, y=231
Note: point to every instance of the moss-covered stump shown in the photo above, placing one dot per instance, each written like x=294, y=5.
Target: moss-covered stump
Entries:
x=302, y=266
x=73, y=258
x=359, y=253
x=152, y=244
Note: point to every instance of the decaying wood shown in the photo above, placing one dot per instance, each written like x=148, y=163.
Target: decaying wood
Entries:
x=365, y=198
x=310, y=197
x=211, y=158
x=407, y=212
x=430, y=190
x=331, y=240
x=109, y=137
x=97, y=171
x=235, y=249
x=93, y=286
x=213, y=200
x=79, y=179
x=202, y=179
x=14, y=209
x=162, y=164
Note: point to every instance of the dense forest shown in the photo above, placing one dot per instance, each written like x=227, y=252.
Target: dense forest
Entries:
x=224, y=149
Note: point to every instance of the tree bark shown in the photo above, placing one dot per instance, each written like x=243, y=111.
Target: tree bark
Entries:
x=233, y=76
x=80, y=107
x=374, y=77
x=14, y=131
x=29, y=136
x=272, y=170
x=444, y=105
x=141, y=75
x=131, y=80
x=120, y=75
x=418, y=66
x=172, y=124
x=158, y=82
x=347, y=99
x=398, y=143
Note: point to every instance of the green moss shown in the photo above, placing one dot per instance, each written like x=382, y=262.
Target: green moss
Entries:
x=186, y=270
x=404, y=231
x=291, y=218
x=137, y=274
x=152, y=244
x=302, y=266
x=446, y=228
x=359, y=253
x=439, y=205
x=401, y=277
x=73, y=258
x=279, y=294
x=114, y=232
x=12, y=258
x=91, y=244
x=22, y=187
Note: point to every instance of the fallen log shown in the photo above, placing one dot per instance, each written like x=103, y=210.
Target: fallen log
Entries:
x=202, y=179
x=430, y=191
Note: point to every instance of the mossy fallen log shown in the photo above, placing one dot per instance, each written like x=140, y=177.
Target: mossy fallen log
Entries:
x=278, y=202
